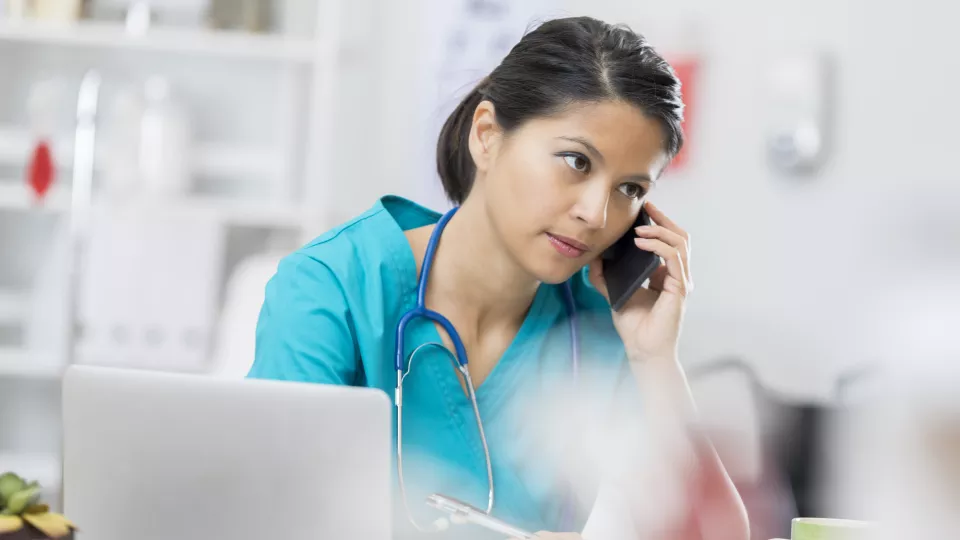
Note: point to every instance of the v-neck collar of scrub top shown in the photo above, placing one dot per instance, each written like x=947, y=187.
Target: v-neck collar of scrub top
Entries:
x=498, y=384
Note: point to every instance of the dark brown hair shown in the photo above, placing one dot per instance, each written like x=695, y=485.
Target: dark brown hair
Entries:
x=560, y=63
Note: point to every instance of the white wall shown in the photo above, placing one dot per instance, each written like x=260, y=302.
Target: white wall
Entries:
x=797, y=277
x=790, y=273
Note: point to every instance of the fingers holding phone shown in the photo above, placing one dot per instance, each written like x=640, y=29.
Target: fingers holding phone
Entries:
x=672, y=244
x=647, y=319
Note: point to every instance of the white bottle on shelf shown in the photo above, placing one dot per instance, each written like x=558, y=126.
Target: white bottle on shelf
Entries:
x=121, y=138
x=164, y=156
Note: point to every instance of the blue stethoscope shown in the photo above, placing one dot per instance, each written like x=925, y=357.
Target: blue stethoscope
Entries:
x=421, y=311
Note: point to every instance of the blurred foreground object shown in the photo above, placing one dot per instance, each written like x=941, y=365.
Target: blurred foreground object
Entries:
x=898, y=461
x=832, y=529
x=776, y=448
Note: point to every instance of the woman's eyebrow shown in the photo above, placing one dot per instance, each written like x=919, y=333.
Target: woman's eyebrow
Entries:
x=591, y=149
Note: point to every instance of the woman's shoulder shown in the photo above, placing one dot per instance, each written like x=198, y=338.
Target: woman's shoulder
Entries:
x=367, y=252
x=348, y=243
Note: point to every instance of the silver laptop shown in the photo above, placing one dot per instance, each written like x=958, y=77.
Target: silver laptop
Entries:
x=158, y=456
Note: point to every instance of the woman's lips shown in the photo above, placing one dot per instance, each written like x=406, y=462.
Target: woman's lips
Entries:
x=568, y=247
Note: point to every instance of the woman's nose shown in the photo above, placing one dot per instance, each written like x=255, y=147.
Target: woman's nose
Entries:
x=591, y=207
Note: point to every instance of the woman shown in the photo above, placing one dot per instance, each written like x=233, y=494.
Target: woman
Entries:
x=549, y=160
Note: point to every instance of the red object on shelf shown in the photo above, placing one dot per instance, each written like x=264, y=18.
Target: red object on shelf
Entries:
x=686, y=67
x=41, y=170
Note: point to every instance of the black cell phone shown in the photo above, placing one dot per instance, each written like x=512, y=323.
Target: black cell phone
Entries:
x=626, y=267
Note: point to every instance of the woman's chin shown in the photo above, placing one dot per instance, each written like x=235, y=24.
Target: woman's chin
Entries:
x=557, y=273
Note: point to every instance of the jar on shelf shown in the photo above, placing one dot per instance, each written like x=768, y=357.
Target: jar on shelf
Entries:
x=246, y=15
x=57, y=10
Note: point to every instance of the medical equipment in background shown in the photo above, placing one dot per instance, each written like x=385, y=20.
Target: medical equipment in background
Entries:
x=460, y=363
x=799, y=92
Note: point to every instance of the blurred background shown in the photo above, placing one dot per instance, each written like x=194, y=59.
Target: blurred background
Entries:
x=158, y=157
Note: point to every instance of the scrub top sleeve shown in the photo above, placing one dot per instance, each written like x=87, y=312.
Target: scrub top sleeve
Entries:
x=304, y=331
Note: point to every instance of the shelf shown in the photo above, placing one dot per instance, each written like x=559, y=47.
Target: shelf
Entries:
x=229, y=44
x=209, y=159
x=16, y=197
x=247, y=213
x=13, y=307
x=43, y=468
x=16, y=362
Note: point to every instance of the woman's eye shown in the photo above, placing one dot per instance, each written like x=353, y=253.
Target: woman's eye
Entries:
x=577, y=162
x=633, y=191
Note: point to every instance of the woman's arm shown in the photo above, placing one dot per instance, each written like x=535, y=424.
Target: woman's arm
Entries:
x=676, y=468
x=711, y=508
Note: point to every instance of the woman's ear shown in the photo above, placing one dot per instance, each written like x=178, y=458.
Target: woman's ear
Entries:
x=484, y=135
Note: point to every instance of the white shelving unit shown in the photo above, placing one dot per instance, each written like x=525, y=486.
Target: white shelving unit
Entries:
x=12, y=306
x=264, y=106
x=208, y=158
x=14, y=196
x=17, y=197
x=225, y=44
x=20, y=363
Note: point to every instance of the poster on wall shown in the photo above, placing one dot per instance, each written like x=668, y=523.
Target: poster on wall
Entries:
x=687, y=68
x=467, y=39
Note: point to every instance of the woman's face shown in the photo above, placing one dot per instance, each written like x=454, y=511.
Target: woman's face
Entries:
x=562, y=189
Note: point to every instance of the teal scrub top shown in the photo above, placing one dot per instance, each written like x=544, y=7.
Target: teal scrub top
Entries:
x=330, y=316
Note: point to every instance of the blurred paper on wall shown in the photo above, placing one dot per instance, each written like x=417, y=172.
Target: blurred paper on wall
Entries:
x=466, y=40
x=148, y=292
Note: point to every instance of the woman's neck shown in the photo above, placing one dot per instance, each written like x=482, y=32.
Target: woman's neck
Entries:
x=473, y=275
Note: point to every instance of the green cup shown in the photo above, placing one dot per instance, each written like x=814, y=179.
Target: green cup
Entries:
x=831, y=529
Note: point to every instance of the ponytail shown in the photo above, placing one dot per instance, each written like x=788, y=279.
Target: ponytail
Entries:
x=454, y=162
